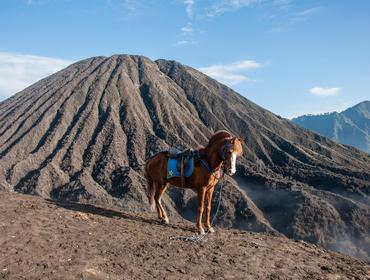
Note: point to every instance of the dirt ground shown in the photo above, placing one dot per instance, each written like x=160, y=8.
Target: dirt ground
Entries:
x=42, y=239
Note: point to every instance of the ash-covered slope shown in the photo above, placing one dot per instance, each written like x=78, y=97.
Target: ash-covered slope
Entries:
x=83, y=134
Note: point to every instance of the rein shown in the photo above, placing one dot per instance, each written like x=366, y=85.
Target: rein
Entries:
x=211, y=170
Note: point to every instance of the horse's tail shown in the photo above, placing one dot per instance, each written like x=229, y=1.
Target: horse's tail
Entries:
x=151, y=188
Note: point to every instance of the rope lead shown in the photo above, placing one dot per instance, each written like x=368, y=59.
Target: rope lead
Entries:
x=197, y=238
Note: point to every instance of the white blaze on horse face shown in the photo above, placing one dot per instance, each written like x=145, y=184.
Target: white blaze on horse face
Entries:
x=233, y=163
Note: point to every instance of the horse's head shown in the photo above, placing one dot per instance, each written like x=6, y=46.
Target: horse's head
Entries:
x=231, y=150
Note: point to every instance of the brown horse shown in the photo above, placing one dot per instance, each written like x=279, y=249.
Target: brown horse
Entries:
x=221, y=152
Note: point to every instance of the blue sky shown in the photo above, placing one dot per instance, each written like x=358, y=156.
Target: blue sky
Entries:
x=291, y=57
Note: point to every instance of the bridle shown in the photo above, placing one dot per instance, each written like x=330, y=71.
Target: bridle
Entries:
x=225, y=149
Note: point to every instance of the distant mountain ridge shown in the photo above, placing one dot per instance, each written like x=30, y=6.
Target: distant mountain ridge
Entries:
x=350, y=127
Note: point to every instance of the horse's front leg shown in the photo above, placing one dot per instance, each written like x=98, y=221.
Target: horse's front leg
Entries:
x=201, y=195
x=208, y=199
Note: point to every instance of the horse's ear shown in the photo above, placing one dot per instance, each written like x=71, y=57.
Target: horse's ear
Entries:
x=240, y=138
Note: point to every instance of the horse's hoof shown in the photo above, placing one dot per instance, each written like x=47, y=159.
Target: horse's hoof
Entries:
x=201, y=231
x=165, y=221
x=211, y=230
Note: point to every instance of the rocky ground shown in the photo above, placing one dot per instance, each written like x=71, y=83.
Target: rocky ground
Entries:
x=42, y=239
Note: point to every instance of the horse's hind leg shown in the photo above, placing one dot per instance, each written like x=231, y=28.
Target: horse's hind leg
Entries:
x=158, y=195
x=151, y=191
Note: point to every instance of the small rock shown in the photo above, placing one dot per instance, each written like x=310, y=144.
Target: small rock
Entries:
x=170, y=269
x=324, y=267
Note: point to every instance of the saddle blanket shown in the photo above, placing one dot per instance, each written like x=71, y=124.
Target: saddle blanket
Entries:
x=172, y=168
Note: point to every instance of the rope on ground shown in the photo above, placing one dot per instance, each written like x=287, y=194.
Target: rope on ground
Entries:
x=198, y=238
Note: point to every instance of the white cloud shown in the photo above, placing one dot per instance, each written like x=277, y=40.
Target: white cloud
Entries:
x=212, y=9
x=188, y=28
x=321, y=91
x=291, y=18
x=18, y=71
x=43, y=2
x=281, y=2
x=230, y=73
x=186, y=42
x=189, y=7
x=307, y=11
x=303, y=15
x=131, y=6
x=244, y=64
x=222, y=6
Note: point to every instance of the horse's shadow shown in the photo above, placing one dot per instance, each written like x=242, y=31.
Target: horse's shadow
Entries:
x=110, y=213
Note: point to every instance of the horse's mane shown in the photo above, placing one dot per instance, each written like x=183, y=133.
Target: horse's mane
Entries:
x=220, y=134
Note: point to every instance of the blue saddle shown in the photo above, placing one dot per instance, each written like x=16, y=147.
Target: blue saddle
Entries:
x=172, y=168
